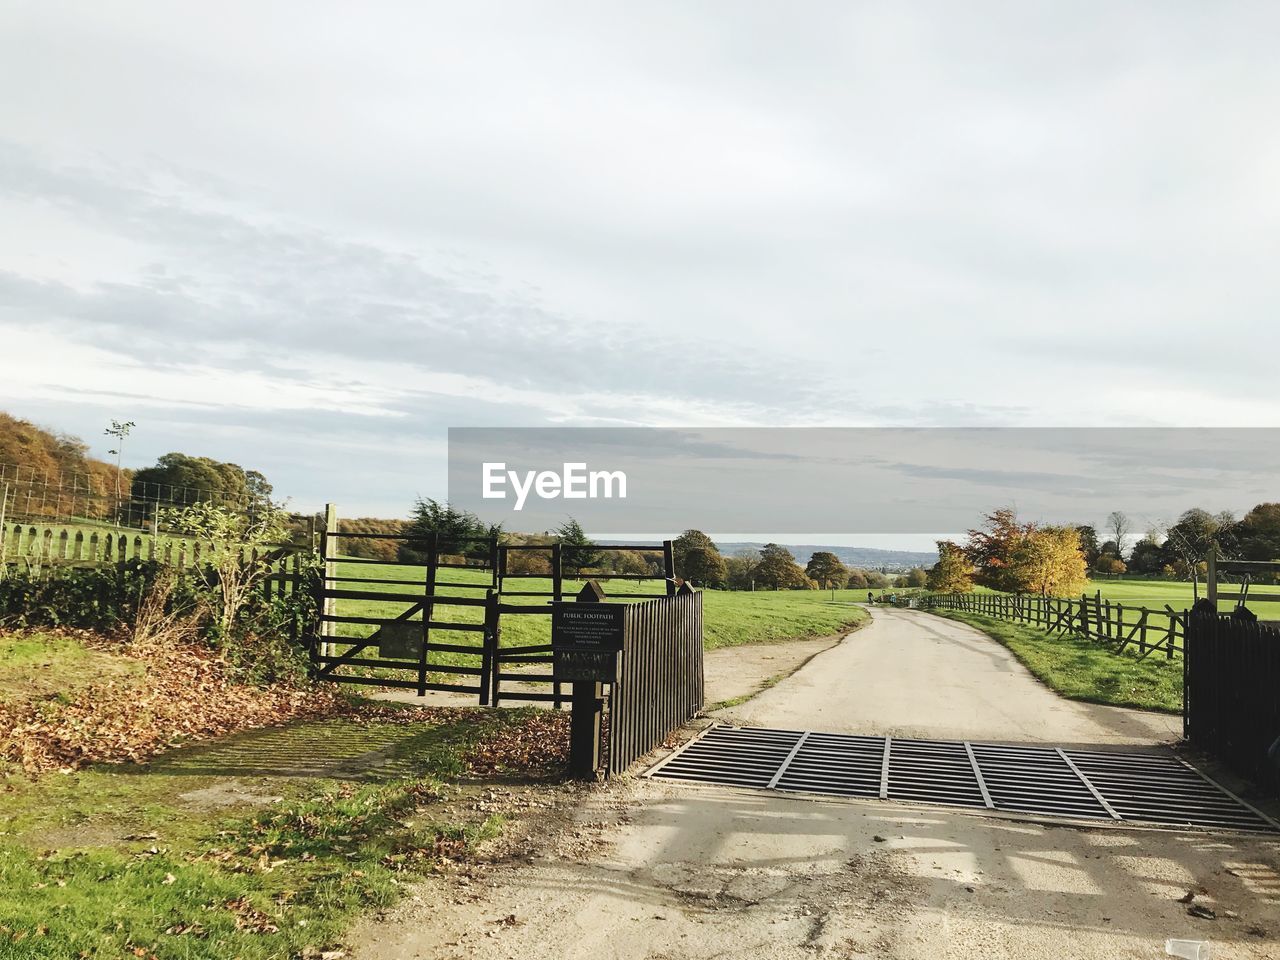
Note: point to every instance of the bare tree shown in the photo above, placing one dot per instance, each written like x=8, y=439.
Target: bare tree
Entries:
x=1119, y=524
x=119, y=429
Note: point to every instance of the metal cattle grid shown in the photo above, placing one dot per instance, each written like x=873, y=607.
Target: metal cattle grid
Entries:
x=1149, y=788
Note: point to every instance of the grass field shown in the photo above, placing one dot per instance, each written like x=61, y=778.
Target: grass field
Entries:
x=1085, y=670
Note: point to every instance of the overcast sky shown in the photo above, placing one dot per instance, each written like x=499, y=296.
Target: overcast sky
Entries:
x=308, y=237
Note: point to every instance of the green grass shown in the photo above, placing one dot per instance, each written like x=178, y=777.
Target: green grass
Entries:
x=42, y=665
x=1084, y=670
x=734, y=618
x=112, y=860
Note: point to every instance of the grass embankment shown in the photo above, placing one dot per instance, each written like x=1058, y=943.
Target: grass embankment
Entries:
x=1086, y=670
x=262, y=844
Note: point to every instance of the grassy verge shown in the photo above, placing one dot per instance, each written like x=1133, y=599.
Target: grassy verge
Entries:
x=1083, y=670
x=266, y=844
x=734, y=618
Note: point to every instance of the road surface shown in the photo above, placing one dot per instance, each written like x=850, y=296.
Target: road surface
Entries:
x=911, y=674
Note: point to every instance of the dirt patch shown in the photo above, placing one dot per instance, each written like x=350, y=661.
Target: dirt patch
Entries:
x=227, y=794
x=735, y=674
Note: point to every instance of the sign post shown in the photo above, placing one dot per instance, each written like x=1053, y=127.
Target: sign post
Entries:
x=586, y=641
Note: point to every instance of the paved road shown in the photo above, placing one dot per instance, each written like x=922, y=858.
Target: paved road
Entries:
x=911, y=674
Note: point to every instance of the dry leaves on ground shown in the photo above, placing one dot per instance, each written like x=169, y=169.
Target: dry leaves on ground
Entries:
x=187, y=693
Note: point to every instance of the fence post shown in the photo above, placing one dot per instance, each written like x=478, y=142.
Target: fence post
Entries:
x=428, y=606
x=328, y=550
x=669, y=565
x=489, y=658
x=584, y=718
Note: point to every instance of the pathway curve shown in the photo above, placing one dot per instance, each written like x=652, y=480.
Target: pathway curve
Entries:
x=912, y=674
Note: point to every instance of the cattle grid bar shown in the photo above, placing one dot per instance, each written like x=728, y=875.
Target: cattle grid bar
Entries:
x=1119, y=787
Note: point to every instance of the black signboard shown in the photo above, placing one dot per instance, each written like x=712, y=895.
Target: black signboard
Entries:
x=400, y=640
x=586, y=640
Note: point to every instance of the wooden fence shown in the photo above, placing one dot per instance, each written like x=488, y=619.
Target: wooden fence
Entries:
x=49, y=546
x=1141, y=629
x=662, y=680
x=1232, y=710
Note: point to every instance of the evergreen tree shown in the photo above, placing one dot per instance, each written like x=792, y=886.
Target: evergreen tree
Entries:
x=581, y=556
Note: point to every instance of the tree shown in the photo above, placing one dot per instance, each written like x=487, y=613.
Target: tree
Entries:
x=119, y=429
x=991, y=548
x=54, y=475
x=373, y=548
x=690, y=540
x=1147, y=556
x=825, y=568
x=1049, y=562
x=457, y=532
x=953, y=573
x=1089, y=543
x=1188, y=542
x=741, y=567
x=1258, y=534
x=917, y=577
x=877, y=580
x=581, y=556
x=857, y=579
x=778, y=569
x=180, y=480
x=231, y=576
x=631, y=563
x=1110, y=563
x=1118, y=525
x=705, y=567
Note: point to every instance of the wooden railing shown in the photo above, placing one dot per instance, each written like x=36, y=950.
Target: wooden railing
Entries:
x=1141, y=629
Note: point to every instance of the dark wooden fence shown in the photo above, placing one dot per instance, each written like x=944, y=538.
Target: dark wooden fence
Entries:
x=1143, y=630
x=1232, y=705
x=662, y=681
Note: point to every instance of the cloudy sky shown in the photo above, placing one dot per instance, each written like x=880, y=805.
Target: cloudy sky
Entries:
x=309, y=237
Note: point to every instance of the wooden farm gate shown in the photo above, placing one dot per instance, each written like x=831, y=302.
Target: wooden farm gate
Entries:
x=424, y=619
x=411, y=620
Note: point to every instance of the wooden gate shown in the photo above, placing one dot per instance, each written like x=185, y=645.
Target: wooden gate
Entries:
x=429, y=616
x=415, y=621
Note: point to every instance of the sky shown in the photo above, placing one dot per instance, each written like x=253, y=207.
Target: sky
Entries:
x=310, y=237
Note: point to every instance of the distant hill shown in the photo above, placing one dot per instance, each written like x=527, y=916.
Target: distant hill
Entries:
x=866, y=558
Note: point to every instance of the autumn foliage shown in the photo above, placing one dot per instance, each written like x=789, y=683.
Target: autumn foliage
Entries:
x=1016, y=557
